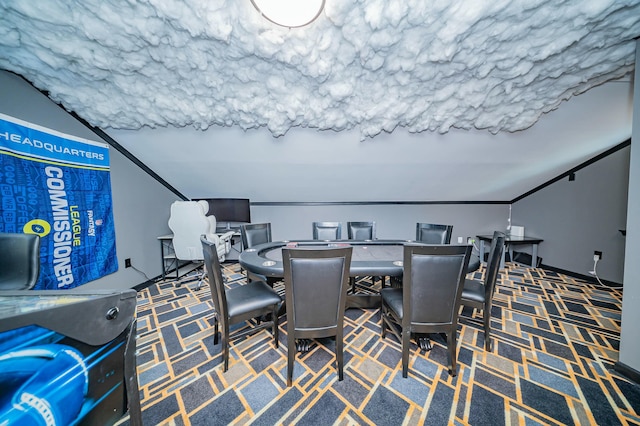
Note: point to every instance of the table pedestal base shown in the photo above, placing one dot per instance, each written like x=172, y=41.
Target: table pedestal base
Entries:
x=303, y=345
x=363, y=301
x=424, y=342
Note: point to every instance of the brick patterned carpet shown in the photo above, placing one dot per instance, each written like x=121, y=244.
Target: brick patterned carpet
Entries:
x=555, y=342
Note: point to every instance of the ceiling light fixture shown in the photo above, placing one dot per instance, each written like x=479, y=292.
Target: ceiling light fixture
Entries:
x=289, y=13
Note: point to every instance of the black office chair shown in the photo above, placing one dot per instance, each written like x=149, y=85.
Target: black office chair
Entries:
x=19, y=261
x=238, y=304
x=327, y=231
x=431, y=233
x=478, y=294
x=316, y=283
x=429, y=302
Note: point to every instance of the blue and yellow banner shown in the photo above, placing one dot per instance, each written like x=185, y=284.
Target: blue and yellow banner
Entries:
x=58, y=186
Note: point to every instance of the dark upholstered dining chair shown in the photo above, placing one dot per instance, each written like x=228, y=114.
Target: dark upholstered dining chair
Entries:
x=478, y=294
x=327, y=231
x=429, y=301
x=431, y=233
x=361, y=230
x=316, y=283
x=255, y=233
x=238, y=304
x=428, y=233
x=19, y=261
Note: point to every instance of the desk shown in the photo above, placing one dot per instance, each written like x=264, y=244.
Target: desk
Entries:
x=169, y=259
x=167, y=255
x=509, y=242
x=236, y=238
x=236, y=246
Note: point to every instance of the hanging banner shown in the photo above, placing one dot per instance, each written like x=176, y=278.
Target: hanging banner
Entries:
x=58, y=187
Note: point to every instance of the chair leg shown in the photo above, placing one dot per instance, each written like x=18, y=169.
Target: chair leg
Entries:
x=487, y=330
x=225, y=347
x=340, y=355
x=383, y=325
x=353, y=284
x=291, y=356
x=275, y=319
x=406, y=340
x=452, y=346
x=216, y=331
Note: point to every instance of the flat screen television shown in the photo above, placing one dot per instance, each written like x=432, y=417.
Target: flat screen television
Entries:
x=229, y=211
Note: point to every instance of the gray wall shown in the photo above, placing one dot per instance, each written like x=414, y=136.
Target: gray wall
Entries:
x=576, y=218
x=630, y=335
x=140, y=204
x=392, y=221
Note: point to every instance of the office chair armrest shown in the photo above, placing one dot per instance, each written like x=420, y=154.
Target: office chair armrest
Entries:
x=226, y=236
x=213, y=238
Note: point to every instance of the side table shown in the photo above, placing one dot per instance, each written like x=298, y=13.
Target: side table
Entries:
x=509, y=242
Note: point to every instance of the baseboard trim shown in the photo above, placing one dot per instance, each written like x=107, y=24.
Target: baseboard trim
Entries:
x=146, y=284
x=626, y=371
x=588, y=278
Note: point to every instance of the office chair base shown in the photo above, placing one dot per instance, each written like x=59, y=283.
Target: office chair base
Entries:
x=192, y=276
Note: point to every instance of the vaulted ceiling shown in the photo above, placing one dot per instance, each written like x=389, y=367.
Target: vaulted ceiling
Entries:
x=375, y=100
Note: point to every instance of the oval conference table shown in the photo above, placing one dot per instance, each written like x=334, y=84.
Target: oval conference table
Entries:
x=375, y=258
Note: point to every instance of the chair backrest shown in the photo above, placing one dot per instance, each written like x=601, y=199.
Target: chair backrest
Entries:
x=19, y=261
x=327, y=231
x=214, y=273
x=493, y=264
x=432, y=283
x=188, y=221
x=316, y=283
x=431, y=233
x=254, y=234
x=361, y=230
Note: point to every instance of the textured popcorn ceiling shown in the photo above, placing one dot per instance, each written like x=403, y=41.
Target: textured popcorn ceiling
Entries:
x=367, y=66
x=370, y=64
